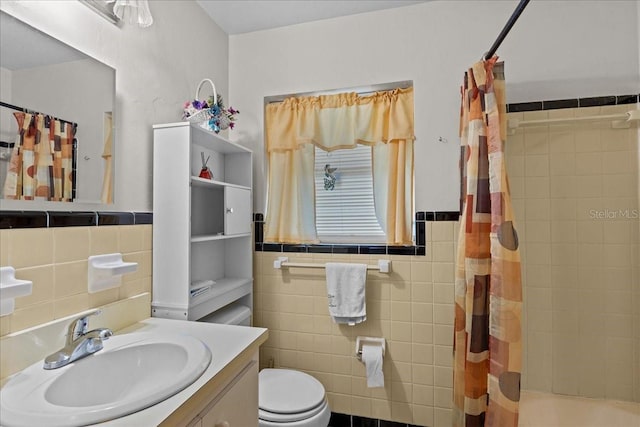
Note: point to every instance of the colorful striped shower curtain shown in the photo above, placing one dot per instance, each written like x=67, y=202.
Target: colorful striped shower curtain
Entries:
x=488, y=290
x=41, y=166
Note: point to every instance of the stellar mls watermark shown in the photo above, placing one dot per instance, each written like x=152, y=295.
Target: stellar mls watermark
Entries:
x=619, y=214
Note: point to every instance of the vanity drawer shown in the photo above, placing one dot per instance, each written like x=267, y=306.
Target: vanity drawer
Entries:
x=237, y=404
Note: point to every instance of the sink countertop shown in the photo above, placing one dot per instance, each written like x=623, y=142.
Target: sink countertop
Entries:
x=231, y=347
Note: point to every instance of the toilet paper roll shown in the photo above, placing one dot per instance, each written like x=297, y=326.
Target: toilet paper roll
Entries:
x=372, y=358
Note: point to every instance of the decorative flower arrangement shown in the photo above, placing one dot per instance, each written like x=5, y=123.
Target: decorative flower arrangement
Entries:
x=214, y=117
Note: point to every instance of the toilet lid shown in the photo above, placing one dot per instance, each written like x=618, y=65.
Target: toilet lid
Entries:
x=288, y=392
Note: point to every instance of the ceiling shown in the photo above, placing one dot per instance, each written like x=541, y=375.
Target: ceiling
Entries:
x=237, y=17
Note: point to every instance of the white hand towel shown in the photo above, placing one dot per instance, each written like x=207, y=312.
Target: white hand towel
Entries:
x=346, y=292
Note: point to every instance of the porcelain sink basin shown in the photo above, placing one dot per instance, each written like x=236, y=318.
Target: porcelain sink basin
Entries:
x=132, y=372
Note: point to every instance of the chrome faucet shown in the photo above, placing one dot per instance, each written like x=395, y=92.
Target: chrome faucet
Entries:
x=79, y=343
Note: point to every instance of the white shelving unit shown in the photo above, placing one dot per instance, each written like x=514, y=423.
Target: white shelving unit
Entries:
x=202, y=228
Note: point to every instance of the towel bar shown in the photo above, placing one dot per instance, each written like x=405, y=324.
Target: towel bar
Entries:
x=384, y=265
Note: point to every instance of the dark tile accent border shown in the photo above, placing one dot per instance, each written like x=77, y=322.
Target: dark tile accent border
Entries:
x=344, y=420
x=524, y=106
x=560, y=103
x=597, y=101
x=23, y=219
x=294, y=248
x=44, y=219
x=116, y=218
x=143, y=218
x=72, y=219
x=573, y=103
x=371, y=249
x=345, y=249
x=627, y=99
x=319, y=249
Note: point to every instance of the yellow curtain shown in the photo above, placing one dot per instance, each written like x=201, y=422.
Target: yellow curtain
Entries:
x=383, y=120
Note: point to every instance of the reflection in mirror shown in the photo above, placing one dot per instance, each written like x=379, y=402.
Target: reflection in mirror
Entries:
x=56, y=119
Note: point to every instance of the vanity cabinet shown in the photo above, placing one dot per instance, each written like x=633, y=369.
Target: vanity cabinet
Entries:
x=237, y=405
x=202, y=228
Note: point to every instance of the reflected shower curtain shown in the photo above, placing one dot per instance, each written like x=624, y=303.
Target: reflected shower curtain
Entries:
x=41, y=165
x=488, y=290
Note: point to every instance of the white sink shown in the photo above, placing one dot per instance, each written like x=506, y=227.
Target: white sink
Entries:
x=132, y=372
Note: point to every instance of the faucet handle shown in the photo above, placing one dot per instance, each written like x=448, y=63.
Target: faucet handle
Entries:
x=80, y=326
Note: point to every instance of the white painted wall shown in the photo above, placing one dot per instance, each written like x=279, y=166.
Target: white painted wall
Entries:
x=157, y=70
x=558, y=49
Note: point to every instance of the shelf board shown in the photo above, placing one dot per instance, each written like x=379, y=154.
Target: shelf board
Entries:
x=211, y=237
x=210, y=183
x=225, y=291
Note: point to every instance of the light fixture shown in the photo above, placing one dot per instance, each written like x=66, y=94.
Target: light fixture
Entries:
x=133, y=12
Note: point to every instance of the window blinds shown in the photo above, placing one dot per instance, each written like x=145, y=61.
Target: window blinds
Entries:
x=346, y=214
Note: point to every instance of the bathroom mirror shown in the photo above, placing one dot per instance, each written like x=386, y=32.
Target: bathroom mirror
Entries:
x=52, y=81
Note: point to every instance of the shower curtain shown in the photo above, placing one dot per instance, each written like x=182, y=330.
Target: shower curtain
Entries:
x=41, y=165
x=488, y=291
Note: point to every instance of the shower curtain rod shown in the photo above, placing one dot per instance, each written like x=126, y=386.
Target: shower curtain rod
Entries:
x=506, y=29
x=26, y=110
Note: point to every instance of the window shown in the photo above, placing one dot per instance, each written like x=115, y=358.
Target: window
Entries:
x=369, y=140
x=344, y=197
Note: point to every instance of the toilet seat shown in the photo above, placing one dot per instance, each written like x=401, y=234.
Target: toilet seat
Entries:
x=276, y=417
x=287, y=396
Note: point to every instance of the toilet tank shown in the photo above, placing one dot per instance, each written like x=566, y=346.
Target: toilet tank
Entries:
x=233, y=314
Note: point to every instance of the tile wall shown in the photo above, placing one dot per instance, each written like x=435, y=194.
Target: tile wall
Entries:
x=412, y=308
x=55, y=259
x=575, y=194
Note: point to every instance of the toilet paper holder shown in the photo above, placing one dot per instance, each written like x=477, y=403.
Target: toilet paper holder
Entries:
x=360, y=341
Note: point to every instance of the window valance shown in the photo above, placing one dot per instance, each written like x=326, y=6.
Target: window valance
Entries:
x=340, y=121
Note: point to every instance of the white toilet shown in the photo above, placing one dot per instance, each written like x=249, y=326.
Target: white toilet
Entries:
x=288, y=398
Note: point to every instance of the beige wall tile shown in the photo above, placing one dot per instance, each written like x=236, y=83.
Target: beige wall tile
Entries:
x=30, y=247
x=562, y=164
x=589, y=163
x=71, y=244
x=537, y=188
x=536, y=165
x=423, y=415
x=421, y=271
x=4, y=247
x=562, y=142
x=5, y=325
x=563, y=186
x=70, y=278
x=32, y=315
x=147, y=236
x=588, y=140
x=615, y=140
x=41, y=290
x=536, y=140
x=104, y=240
x=442, y=231
x=131, y=238
x=620, y=185
x=69, y=305
x=104, y=297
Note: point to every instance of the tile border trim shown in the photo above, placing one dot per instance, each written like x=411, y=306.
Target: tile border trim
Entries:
x=554, y=104
x=345, y=420
x=419, y=249
x=50, y=219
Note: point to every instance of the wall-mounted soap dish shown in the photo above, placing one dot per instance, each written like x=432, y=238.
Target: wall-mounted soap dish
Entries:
x=105, y=271
x=10, y=288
